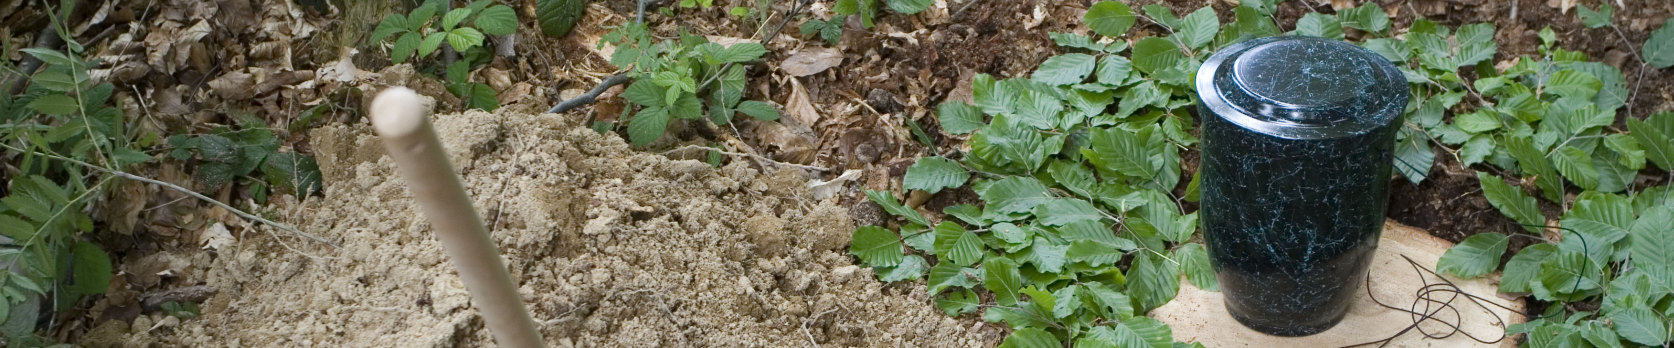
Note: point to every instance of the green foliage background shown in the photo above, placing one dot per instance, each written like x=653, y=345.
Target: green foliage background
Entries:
x=1080, y=231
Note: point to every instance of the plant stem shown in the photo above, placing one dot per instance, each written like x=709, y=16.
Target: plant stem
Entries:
x=177, y=188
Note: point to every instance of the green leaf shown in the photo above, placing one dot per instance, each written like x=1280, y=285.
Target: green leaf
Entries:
x=1640, y=325
x=1152, y=54
x=1121, y=151
x=16, y=228
x=1047, y=256
x=1476, y=256
x=958, y=117
x=394, y=23
x=964, y=251
x=1153, y=281
x=1573, y=84
x=1627, y=147
x=1014, y=195
x=908, y=7
x=1477, y=122
x=1031, y=338
x=1066, y=301
x=645, y=93
x=947, y=275
x=1577, y=166
x=1613, y=93
x=1065, y=69
x=647, y=125
x=1153, y=331
x=1113, y=70
x=1105, y=302
x=497, y=20
x=92, y=269
x=1596, y=19
x=1368, y=17
x=1000, y=276
x=55, y=80
x=932, y=174
x=1322, y=25
x=422, y=15
x=1566, y=276
x=49, y=56
x=1198, y=28
x=1194, y=263
x=55, y=104
x=1392, y=49
x=431, y=43
x=741, y=52
x=295, y=173
x=876, y=246
x=1076, y=41
x=1653, y=245
x=1659, y=145
x=1524, y=267
x=1512, y=202
x=911, y=267
x=1532, y=161
x=887, y=201
x=961, y=302
x=452, y=18
x=1110, y=18
x=1659, y=49
x=1475, y=150
x=464, y=38
x=759, y=110
x=557, y=17
x=1413, y=156
x=1063, y=211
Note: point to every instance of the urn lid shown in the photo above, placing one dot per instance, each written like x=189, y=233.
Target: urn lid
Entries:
x=1300, y=87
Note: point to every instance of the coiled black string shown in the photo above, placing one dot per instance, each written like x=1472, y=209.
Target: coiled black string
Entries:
x=1430, y=298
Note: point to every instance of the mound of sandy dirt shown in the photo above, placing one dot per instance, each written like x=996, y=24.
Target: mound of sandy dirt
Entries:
x=613, y=247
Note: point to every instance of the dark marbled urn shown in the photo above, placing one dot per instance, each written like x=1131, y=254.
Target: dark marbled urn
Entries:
x=1297, y=148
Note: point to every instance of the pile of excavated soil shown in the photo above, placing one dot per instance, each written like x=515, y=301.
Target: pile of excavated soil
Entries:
x=613, y=248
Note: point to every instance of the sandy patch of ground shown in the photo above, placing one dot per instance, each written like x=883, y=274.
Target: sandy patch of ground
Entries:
x=612, y=247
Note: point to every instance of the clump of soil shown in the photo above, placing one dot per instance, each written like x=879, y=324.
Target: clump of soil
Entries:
x=614, y=248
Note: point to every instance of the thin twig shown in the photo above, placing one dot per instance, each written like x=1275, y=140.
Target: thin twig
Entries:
x=590, y=96
x=177, y=188
x=750, y=155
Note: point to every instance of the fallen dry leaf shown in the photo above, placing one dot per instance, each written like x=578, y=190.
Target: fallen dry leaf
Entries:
x=799, y=106
x=234, y=85
x=809, y=61
x=820, y=190
x=216, y=237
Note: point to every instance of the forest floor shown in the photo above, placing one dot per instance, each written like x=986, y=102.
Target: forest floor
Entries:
x=615, y=246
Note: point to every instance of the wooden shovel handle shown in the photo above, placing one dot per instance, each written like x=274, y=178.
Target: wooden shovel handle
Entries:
x=401, y=119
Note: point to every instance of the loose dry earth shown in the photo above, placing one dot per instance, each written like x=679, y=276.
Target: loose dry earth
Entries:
x=613, y=247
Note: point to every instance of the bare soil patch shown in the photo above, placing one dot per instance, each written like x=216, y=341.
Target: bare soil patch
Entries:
x=614, y=248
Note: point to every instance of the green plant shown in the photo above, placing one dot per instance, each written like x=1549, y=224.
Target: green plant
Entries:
x=673, y=80
x=829, y=29
x=45, y=254
x=867, y=9
x=557, y=17
x=226, y=155
x=416, y=33
x=1547, y=121
x=1078, y=171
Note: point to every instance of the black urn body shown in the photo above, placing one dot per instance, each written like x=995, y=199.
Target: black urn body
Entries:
x=1298, y=137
